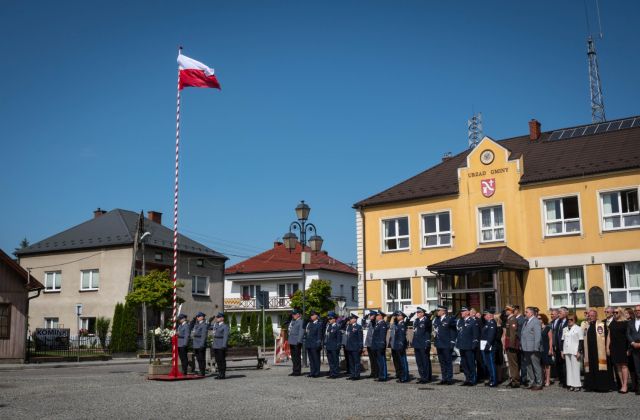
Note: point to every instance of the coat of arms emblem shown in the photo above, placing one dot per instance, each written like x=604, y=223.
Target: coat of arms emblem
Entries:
x=488, y=187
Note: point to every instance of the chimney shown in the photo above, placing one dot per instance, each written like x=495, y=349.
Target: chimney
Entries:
x=534, y=129
x=446, y=156
x=277, y=244
x=155, y=216
x=98, y=212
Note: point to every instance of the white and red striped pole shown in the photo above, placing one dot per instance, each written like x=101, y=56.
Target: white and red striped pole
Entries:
x=175, y=372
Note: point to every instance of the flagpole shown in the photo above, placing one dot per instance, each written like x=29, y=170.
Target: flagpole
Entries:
x=175, y=372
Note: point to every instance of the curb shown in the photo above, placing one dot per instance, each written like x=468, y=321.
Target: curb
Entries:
x=54, y=365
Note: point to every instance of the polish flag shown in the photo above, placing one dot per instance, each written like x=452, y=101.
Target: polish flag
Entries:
x=195, y=74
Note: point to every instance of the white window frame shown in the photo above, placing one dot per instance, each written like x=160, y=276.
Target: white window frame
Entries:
x=194, y=285
x=56, y=274
x=398, y=300
x=254, y=290
x=49, y=322
x=438, y=232
x=618, y=190
x=493, y=226
x=288, y=289
x=398, y=237
x=545, y=222
x=627, y=289
x=91, y=278
x=567, y=286
x=431, y=302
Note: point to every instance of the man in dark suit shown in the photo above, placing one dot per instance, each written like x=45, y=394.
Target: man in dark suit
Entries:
x=379, y=345
x=398, y=343
x=313, y=344
x=332, y=342
x=467, y=342
x=444, y=330
x=421, y=344
x=557, y=327
x=354, y=346
x=633, y=335
x=373, y=362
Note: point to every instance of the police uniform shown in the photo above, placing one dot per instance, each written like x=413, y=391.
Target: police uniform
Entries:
x=313, y=344
x=421, y=344
x=343, y=344
x=373, y=362
x=467, y=342
x=183, y=332
x=332, y=342
x=444, y=331
x=399, y=348
x=379, y=345
x=488, y=348
x=199, y=334
x=295, y=337
x=354, y=347
x=219, y=345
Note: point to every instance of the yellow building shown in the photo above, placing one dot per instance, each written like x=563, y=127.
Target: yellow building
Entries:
x=523, y=220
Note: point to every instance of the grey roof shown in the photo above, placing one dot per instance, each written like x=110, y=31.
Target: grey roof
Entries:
x=115, y=228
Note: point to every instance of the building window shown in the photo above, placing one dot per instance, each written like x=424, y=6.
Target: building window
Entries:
x=624, y=283
x=491, y=224
x=90, y=280
x=354, y=293
x=200, y=262
x=52, y=281
x=285, y=290
x=562, y=216
x=249, y=291
x=620, y=209
x=51, y=322
x=395, y=234
x=398, y=294
x=5, y=320
x=437, y=230
x=430, y=293
x=157, y=256
x=200, y=285
x=562, y=280
x=88, y=325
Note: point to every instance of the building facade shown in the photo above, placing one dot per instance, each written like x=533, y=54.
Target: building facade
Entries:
x=90, y=267
x=533, y=220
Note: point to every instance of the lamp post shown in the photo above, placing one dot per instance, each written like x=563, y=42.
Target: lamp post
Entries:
x=144, y=304
x=315, y=244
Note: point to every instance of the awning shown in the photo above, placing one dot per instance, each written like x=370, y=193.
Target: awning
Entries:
x=501, y=257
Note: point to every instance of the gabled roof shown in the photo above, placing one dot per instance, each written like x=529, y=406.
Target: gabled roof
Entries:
x=279, y=258
x=544, y=160
x=115, y=228
x=501, y=257
x=30, y=282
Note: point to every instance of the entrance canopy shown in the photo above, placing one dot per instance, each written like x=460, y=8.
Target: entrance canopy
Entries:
x=495, y=258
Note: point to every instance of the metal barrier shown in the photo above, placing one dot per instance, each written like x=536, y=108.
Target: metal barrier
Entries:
x=66, y=348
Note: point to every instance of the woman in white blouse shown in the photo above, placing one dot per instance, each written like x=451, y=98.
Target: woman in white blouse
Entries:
x=572, y=347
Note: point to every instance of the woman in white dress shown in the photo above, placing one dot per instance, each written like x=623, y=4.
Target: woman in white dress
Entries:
x=572, y=348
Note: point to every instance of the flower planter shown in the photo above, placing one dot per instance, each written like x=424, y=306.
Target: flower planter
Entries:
x=162, y=369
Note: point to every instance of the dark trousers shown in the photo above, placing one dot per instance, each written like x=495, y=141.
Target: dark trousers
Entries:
x=296, y=358
x=354, y=361
x=524, y=378
x=201, y=357
x=184, y=360
x=373, y=362
x=480, y=370
x=488, y=358
x=468, y=364
x=347, y=363
x=424, y=363
x=446, y=364
x=220, y=356
x=561, y=369
x=635, y=375
x=381, y=357
x=395, y=358
x=314, y=361
x=333, y=357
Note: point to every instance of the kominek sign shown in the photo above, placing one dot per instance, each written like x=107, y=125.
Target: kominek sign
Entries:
x=52, y=338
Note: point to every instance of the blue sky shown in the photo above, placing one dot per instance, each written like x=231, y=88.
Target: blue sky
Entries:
x=326, y=101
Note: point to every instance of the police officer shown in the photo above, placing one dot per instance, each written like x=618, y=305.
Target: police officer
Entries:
x=488, y=347
x=379, y=345
x=219, y=344
x=199, y=333
x=354, y=346
x=444, y=331
x=421, y=344
x=295, y=337
x=399, y=347
x=373, y=362
x=467, y=342
x=343, y=344
x=313, y=344
x=332, y=341
x=183, y=331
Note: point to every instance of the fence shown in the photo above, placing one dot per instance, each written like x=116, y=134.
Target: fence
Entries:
x=66, y=347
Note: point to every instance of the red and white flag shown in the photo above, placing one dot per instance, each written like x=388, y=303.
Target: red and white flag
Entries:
x=195, y=74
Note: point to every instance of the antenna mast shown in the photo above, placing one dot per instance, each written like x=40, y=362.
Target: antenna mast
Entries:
x=474, y=130
x=595, y=86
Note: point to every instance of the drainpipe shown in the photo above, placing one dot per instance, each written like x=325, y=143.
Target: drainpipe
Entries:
x=364, y=261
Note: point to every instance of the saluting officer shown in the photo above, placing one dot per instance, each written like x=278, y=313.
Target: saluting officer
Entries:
x=295, y=337
x=354, y=346
x=313, y=344
x=399, y=347
x=199, y=333
x=332, y=341
x=379, y=345
x=468, y=337
x=421, y=344
x=219, y=344
x=444, y=330
x=373, y=362
x=183, y=331
x=487, y=346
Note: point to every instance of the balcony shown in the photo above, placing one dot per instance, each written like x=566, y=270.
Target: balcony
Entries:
x=275, y=302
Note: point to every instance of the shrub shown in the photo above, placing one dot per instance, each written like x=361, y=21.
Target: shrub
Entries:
x=253, y=326
x=234, y=322
x=124, y=331
x=244, y=323
x=116, y=327
x=269, y=331
x=102, y=329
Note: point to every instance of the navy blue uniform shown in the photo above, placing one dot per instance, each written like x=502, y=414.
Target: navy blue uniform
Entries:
x=367, y=342
x=332, y=343
x=313, y=344
x=399, y=351
x=379, y=346
x=354, y=348
x=445, y=333
x=488, y=339
x=421, y=344
x=467, y=343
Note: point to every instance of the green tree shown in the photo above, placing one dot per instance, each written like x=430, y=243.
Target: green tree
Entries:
x=317, y=298
x=23, y=244
x=234, y=322
x=259, y=329
x=125, y=329
x=102, y=329
x=116, y=327
x=253, y=326
x=244, y=323
x=155, y=289
x=269, y=331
